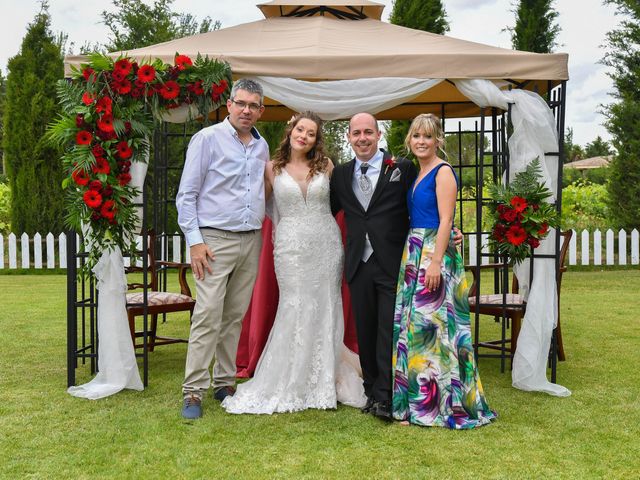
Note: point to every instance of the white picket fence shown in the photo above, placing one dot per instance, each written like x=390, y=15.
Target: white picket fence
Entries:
x=620, y=248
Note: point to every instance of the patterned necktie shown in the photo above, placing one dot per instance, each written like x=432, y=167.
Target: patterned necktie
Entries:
x=364, y=182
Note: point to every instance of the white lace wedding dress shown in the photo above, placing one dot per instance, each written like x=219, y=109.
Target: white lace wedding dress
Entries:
x=304, y=363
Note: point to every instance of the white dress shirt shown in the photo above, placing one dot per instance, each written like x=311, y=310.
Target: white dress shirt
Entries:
x=222, y=184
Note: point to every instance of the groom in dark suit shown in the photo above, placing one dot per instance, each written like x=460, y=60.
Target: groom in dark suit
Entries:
x=372, y=190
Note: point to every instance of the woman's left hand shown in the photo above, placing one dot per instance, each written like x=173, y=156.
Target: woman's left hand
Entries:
x=432, y=275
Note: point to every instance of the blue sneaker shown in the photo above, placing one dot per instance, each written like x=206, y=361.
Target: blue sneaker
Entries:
x=223, y=392
x=192, y=407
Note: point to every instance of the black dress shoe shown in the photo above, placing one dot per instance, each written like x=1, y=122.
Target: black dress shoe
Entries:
x=368, y=406
x=223, y=392
x=382, y=410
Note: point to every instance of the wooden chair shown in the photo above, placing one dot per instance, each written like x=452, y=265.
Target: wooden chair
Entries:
x=515, y=304
x=157, y=302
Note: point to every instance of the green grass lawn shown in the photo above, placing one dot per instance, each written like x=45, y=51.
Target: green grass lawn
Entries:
x=46, y=433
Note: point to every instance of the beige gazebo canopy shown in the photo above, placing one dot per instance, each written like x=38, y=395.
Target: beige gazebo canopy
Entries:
x=288, y=43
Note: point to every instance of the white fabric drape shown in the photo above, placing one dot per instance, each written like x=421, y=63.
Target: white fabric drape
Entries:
x=534, y=134
x=333, y=100
x=117, y=367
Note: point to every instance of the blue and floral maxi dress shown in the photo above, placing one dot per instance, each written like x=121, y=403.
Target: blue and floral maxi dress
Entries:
x=435, y=377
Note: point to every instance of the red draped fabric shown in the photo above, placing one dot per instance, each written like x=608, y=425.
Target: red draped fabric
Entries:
x=264, y=304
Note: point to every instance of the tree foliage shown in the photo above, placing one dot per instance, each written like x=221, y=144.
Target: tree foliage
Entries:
x=572, y=151
x=535, y=29
x=135, y=24
x=598, y=148
x=425, y=15
x=3, y=91
x=32, y=165
x=623, y=116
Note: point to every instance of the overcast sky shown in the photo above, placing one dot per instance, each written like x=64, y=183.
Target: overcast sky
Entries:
x=584, y=24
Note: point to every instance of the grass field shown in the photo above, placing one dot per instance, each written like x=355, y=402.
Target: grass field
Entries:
x=46, y=433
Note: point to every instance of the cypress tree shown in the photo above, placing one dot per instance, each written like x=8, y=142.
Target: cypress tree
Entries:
x=623, y=122
x=3, y=91
x=33, y=167
x=535, y=30
x=426, y=15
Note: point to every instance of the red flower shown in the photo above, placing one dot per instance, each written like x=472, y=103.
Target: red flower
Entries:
x=124, y=178
x=519, y=204
x=124, y=150
x=101, y=166
x=86, y=73
x=390, y=163
x=88, y=98
x=219, y=88
x=108, y=209
x=544, y=228
x=107, y=191
x=105, y=123
x=122, y=66
x=124, y=166
x=502, y=208
x=509, y=215
x=83, y=137
x=170, y=90
x=122, y=87
x=136, y=92
x=196, y=88
x=95, y=185
x=118, y=76
x=146, y=73
x=499, y=231
x=97, y=151
x=534, y=242
x=516, y=235
x=80, y=120
x=92, y=198
x=80, y=177
x=104, y=105
x=182, y=62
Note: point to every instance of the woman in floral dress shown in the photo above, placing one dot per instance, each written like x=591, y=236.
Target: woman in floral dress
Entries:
x=435, y=377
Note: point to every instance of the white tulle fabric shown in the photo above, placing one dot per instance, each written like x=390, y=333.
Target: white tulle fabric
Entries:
x=304, y=363
x=117, y=367
x=534, y=133
x=337, y=99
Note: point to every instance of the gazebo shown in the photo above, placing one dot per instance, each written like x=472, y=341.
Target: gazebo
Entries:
x=338, y=58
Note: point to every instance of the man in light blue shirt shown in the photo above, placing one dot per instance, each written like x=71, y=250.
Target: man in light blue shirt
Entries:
x=221, y=206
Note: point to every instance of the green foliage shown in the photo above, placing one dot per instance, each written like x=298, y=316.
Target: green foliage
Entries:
x=425, y=15
x=599, y=176
x=32, y=164
x=572, y=151
x=535, y=29
x=598, y=148
x=623, y=56
x=585, y=206
x=3, y=95
x=272, y=133
x=335, y=143
x=5, y=208
x=136, y=24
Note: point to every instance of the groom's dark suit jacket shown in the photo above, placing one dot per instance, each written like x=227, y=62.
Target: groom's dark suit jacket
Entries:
x=386, y=220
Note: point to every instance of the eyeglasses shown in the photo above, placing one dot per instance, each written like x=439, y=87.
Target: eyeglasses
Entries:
x=253, y=107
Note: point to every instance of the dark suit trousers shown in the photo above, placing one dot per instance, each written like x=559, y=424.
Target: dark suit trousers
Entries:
x=373, y=295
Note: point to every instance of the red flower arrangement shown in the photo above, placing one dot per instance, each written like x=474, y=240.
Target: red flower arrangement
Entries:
x=109, y=109
x=521, y=215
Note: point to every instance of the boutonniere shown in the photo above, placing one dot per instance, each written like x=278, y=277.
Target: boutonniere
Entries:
x=390, y=163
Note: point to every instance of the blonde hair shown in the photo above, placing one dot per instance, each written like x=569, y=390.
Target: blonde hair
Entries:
x=317, y=160
x=431, y=125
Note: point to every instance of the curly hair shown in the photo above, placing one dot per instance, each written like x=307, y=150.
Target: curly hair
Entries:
x=316, y=158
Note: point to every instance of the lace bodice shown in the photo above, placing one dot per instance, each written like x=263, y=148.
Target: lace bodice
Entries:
x=292, y=203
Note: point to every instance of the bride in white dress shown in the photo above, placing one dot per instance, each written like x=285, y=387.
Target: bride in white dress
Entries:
x=304, y=363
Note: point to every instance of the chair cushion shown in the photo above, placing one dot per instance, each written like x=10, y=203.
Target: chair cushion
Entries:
x=159, y=298
x=496, y=299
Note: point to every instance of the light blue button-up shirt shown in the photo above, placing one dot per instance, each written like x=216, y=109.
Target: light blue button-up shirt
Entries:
x=222, y=184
